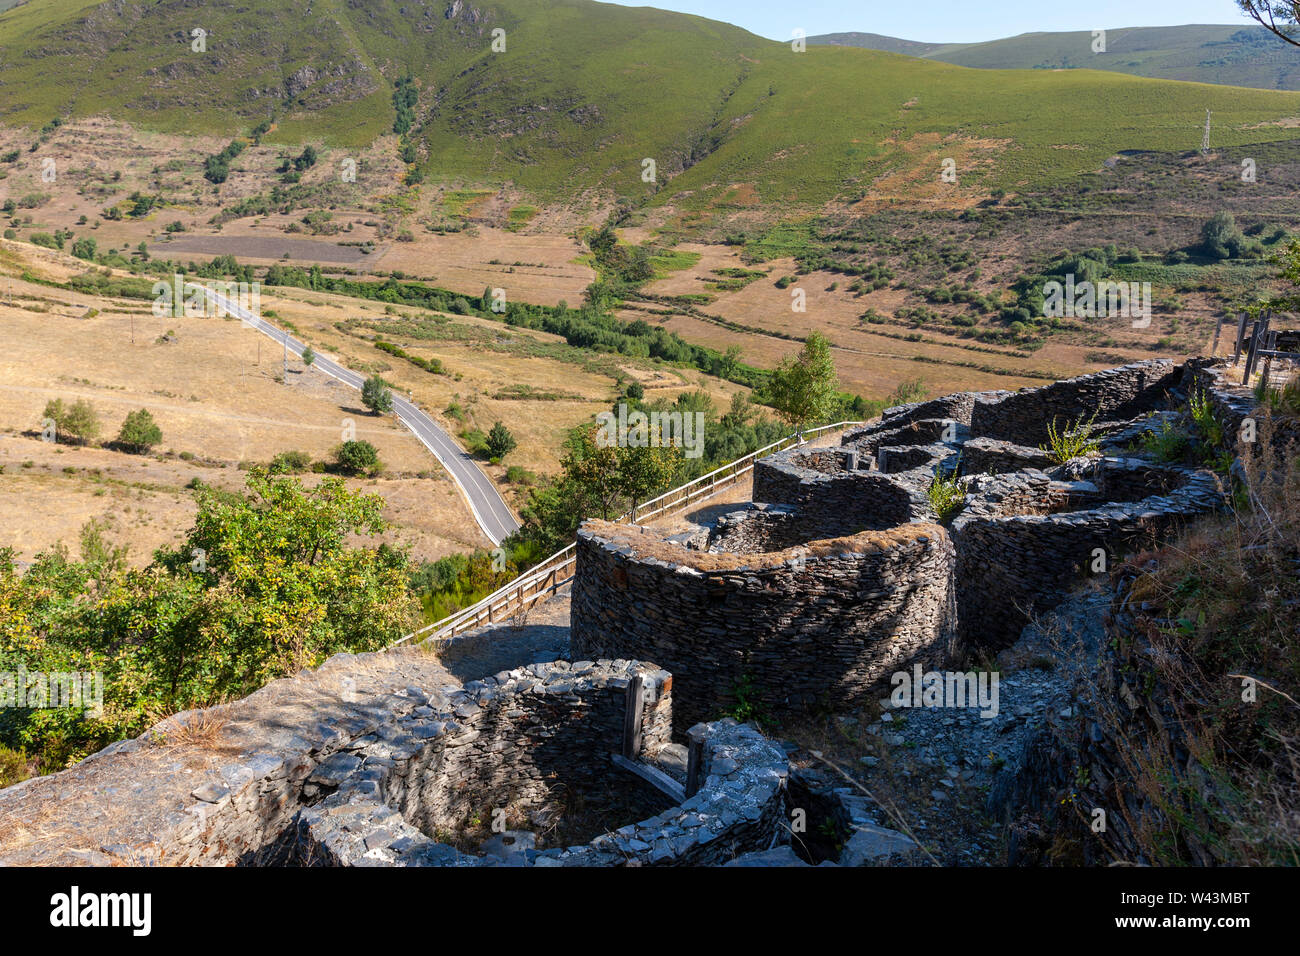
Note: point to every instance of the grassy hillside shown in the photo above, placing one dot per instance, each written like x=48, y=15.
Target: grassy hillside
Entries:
x=585, y=92
x=1231, y=55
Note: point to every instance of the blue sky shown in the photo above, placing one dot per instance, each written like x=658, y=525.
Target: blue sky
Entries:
x=951, y=21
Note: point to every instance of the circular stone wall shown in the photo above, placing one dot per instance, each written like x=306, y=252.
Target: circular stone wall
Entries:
x=527, y=738
x=788, y=629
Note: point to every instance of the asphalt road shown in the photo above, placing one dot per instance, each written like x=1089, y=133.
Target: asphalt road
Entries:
x=489, y=508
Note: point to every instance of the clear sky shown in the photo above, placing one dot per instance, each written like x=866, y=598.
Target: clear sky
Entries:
x=950, y=21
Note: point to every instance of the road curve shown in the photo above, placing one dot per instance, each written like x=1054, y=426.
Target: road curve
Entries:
x=485, y=502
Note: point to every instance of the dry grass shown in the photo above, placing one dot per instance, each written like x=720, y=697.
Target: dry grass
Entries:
x=1221, y=615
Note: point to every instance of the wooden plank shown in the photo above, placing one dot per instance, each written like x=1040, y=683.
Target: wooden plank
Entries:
x=1249, y=364
x=1218, y=327
x=653, y=776
x=1268, y=356
x=633, y=709
x=694, y=755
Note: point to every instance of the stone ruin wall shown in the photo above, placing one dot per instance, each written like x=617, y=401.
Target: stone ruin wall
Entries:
x=362, y=784
x=519, y=739
x=1019, y=555
x=1114, y=394
x=823, y=622
x=804, y=629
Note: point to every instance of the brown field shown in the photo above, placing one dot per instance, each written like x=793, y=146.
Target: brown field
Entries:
x=212, y=400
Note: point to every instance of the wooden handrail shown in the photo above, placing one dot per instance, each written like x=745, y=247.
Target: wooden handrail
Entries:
x=515, y=591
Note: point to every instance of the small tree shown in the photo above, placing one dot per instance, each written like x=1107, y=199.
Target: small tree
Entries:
x=803, y=388
x=1220, y=237
x=84, y=249
x=645, y=470
x=77, y=422
x=139, y=431
x=308, y=356
x=357, y=458
x=375, y=395
x=500, y=442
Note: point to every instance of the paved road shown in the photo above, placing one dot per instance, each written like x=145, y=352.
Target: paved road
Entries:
x=489, y=508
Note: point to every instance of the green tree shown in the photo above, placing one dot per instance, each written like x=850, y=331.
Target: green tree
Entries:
x=77, y=422
x=308, y=356
x=357, y=458
x=500, y=442
x=803, y=389
x=376, y=396
x=84, y=248
x=139, y=431
x=643, y=471
x=591, y=474
x=1219, y=235
x=264, y=584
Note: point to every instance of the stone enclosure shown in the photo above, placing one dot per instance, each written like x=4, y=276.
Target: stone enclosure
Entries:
x=514, y=744
x=840, y=572
x=836, y=575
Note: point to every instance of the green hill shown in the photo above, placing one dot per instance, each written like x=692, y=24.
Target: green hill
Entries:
x=584, y=92
x=1223, y=54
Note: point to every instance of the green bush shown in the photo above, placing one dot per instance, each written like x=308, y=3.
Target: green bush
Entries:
x=1073, y=441
x=78, y=422
x=264, y=584
x=289, y=462
x=139, y=431
x=500, y=442
x=376, y=396
x=357, y=458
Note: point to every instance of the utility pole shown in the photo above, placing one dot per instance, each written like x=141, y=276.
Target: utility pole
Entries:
x=286, y=356
x=1205, y=138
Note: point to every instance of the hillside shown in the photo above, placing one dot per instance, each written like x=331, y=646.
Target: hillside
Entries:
x=1230, y=55
x=585, y=92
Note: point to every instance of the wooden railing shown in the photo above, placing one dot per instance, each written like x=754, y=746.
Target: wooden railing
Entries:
x=551, y=574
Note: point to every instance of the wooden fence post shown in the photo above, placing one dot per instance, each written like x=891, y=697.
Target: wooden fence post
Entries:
x=694, y=755
x=1270, y=345
x=632, y=711
x=1255, y=331
x=1241, y=334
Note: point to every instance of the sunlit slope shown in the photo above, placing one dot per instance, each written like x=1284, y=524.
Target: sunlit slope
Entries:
x=584, y=93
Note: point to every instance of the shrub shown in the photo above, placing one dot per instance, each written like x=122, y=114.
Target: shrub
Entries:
x=139, y=431
x=500, y=442
x=946, y=494
x=1074, y=441
x=357, y=458
x=289, y=462
x=14, y=767
x=77, y=422
x=376, y=396
x=308, y=355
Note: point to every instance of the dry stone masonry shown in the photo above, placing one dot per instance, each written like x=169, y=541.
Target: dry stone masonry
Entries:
x=841, y=573
x=512, y=742
x=836, y=576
